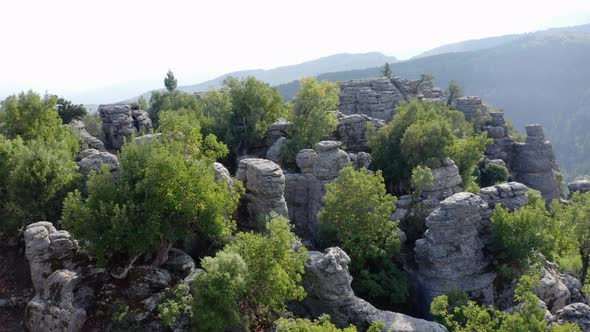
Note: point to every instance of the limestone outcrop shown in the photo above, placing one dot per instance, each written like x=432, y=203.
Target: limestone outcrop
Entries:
x=328, y=285
x=577, y=313
x=265, y=189
x=534, y=163
x=581, y=186
x=378, y=97
x=352, y=131
x=469, y=105
x=446, y=181
x=120, y=121
x=503, y=146
x=304, y=191
x=511, y=195
x=86, y=140
x=92, y=160
x=451, y=255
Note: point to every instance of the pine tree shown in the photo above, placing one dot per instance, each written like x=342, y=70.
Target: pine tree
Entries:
x=170, y=81
x=386, y=70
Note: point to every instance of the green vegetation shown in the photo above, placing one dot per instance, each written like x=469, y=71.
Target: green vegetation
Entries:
x=386, y=70
x=421, y=177
x=425, y=133
x=151, y=202
x=454, y=90
x=530, y=315
x=312, y=117
x=357, y=211
x=520, y=235
x=251, y=279
x=37, y=167
x=466, y=152
x=170, y=81
x=491, y=174
x=178, y=302
x=321, y=324
x=68, y=111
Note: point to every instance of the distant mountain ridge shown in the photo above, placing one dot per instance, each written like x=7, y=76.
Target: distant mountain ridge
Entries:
x=284, y=74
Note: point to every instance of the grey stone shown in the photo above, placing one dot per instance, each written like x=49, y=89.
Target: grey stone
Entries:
x=265, y=189
x=577, y=313
x=147, y=138
x=451, y=255
x=86, y=140
x=446, y=182
x=581, y=186
x=469, y=105
x=511, y=195
x=274, y=152
x=352, y=131
x=179, y=263
x=120, y=122
x=94, y=161
x=327, y=283
x=146, y=279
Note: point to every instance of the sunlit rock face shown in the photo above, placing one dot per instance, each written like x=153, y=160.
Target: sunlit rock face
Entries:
x=120, y=122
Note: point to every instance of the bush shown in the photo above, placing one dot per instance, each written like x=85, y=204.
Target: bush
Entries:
x=421, y=177
x=68, y=111
x=491, y=174
x=466, y=152
x=165, y=191
x=530, y=315
x=312, y=117
x=251, y=279
x=178, y=302
x=322, y=324
x=384, y=283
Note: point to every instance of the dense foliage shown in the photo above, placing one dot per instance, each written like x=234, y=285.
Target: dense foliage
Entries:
x=251, y=279
x=165, y=191
x=520, y=235
x=421, y=177
x=312, y=117
x=530, y=315
x=491, y=174
x=68, y=111
x=321, y=324
x=466, y=152
x=425, y=133
x=357, y=211
x=37, y=167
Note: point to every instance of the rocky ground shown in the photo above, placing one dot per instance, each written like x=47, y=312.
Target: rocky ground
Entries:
x=16, y=288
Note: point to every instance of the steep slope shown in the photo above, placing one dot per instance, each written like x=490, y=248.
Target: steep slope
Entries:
x=540, y=78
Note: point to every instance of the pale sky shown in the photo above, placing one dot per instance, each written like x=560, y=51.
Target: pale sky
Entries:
x=69, y=47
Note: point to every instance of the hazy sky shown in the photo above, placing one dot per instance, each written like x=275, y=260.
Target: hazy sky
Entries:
x=69, y=47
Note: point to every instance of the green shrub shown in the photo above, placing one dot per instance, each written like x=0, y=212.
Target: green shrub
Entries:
x=421, y=177
x=491, y=174
x=178, y=302
x=322, y=324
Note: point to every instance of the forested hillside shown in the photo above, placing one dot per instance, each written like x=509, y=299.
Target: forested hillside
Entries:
x=542, y=78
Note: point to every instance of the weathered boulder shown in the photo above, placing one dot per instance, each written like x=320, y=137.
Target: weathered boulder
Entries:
x=86, y=140
x=378, y=97
x=534, y=163
x=120, y=121
x=511, y=195
x=93, y=161
x=469, y=105
x=327, y=282
x=274, y=152
x=577, y=313
x=503, y=146
x=451, y=254
x=360, y=160
x=265, y=188
x=276, y=130
x=446, y=181
x=352, y=131
x=304, y=191
x=581, y=186
x=147, y=138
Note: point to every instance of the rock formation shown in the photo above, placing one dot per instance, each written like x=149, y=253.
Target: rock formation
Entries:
x=86, y=140
x=92, y=160
x=577, y=313
x=451, y=254
x=511, y=195
x=502, y=148
x=581, y=186
x=265, y=187
x=446, y=181
x=534, y=163
x=378, y=97
x=469, y=105
x=304, y=191
x=120, y=121
x=352, y=131
x=327, y=283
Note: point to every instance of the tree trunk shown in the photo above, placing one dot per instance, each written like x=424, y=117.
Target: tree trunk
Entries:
x=585, y=257
x=162, y=253
x=121, y=272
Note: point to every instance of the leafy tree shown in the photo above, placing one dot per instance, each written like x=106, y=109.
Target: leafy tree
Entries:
x=321, y=324
x=386, y=70
x=170, y=81
x=466, y=152
x=216, y=109
x=421, y=177
x=170, y=101
x=251, y=279
x=312, y=118
x=420, y=133
x=219, y=290
x=530, y=315
x=165, y=191
x=68, y=111
x=454, y=90
x=178, y=303
x=357, y=210
x=519, y=235
x=254, y=107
